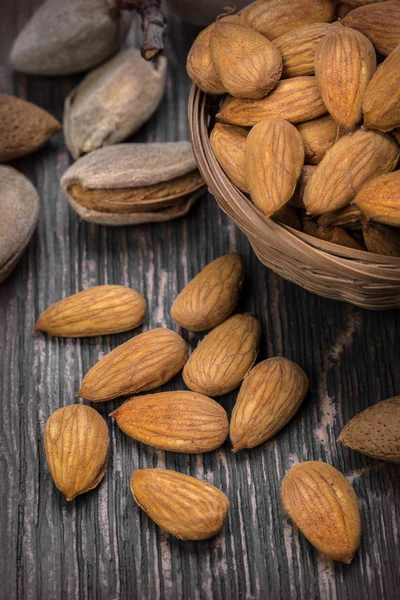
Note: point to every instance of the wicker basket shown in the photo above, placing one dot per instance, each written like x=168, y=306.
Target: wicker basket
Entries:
x=367, y=280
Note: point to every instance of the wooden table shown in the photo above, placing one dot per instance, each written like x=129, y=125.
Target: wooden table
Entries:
x=102, y=546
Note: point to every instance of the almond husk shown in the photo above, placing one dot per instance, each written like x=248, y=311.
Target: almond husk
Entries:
x=379, y=22
x=382, y=239
x=274, y=160
x=345, y=61
x=318, y=136
x=200, y=65
x=228, y=143
x=352, y=161
x=297, y=99
x=379, y=199
x=349, y=217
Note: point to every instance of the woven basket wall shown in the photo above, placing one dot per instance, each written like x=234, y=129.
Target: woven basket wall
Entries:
x=362, y=278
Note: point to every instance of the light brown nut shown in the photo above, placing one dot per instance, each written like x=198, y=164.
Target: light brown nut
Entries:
x=338, y=235
x=324, y=506
x=224, y=357
x=380, y=22
x=277, y=17
x=306, y=173
x=270, y=395
x=352, y=161
x=318, y=136
x=143, y=363
x=229, y=146
x=200, y=65
x=375, y=431
x=181, y=505
x=179, y=421
x=211, y=296
x=379, y=199
x=381, y=105
x=297, y=48
x=76, y=443
x=349, y=217
x=382, y=239
x=24, y=127
x=100, y=310
x=345, y=61
x=297, y=99
x=248, y=64
x=274, y=160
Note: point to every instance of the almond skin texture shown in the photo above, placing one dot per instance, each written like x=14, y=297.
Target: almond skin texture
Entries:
x=380, y=22
x=318, y=136
x=24, y=127
x=352, y=161
x=379, y=199
x=297, y=100
x=297, y=48
x=375, y=431
x=324, y=506
x=181, y=505
x=211, y=296
x=143, y=363
x=248, y=64
x=276, y=17
x=268, y=398
x=274, y=160
x=200, y=65
x=99, y=310
x=381, y=239
x=174, y=421
x=345, y=61
x=381, y=104
x=229, y=146
x=76, y=443
x=224, y=356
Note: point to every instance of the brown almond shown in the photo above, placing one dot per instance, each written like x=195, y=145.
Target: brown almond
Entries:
x=318, y=136
x=24, y=127
x=228, y=143
x=345, y=61
x=309, y=226
x=277, y=17
x=274, y=159
x=306, y=173
x=297, y=99
x=297, y=48
x=179, y=421
x=287, y=215
x=248, y=64
x=77, y=443
x=382, y=239
x=352, y=161
x=211, y=296
x=99, y=310
x=324, y=506
x=270, y=395
x=143, y=363
x=224, y=356
x=375, y=431
x=181, y=505
x=200, y=65
x=380, y=22
x=356, y=3
x=381, y=104
x=379, y=199
x=349, y=217
x=342, y=10
x=338, y=235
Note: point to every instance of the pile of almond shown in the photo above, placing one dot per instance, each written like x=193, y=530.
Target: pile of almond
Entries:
x=192, y=421
x=309, y=121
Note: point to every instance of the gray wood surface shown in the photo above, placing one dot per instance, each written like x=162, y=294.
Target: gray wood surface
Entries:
x=102, y=546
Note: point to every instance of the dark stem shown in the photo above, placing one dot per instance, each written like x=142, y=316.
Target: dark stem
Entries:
x=153, y=24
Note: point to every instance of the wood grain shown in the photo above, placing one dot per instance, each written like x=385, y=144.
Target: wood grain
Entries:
x=102, y=546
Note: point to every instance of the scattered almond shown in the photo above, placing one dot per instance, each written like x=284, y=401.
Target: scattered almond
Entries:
x=228, y=143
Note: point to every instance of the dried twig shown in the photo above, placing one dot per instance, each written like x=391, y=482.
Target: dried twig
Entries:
x=153, y=24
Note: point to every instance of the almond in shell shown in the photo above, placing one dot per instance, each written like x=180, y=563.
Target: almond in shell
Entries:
x=228, y=143
x=318, y=136
x=380, y=22
x=382, y=239
x=379, y=199
x=200, y=65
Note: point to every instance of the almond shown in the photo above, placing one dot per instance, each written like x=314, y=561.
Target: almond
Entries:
x=274, y=159
x=338, y=235
x=211, y=296
x=297, y=48
x=229, y=146
x=380, y=22
x=375, y=431
x=200, y=65
x=342, y=10
x=174, y=421
x=248, y=64
x=352, y=161
x=381, y=239
x=77, y=443
x=345, y=61
x=306, y=173
x=318, y=136
x=379, y=199
x=24, y=127
x=277, y=17
x=181, y=505
x=224, y=356
x=268, y=398
x=381, y=104
x=357, y=3
x=99, y=310
x=143, y=363
x=287, y=215
x=350, y=217
x=297, y=99
x=324, y=506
